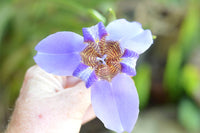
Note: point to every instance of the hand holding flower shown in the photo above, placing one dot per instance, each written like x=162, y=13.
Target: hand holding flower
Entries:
x=50, y=104
x=105, y=59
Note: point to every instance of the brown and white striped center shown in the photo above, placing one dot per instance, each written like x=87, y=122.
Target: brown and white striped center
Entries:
x=104, y=57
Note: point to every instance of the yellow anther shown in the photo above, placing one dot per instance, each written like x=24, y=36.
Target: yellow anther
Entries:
x=97, y=41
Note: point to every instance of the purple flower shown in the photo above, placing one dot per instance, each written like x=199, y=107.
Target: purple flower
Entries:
x=104, y=58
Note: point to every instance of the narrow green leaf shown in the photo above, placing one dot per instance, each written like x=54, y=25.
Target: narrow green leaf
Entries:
x=6, y=14
x=96, y=15
x=111, y=16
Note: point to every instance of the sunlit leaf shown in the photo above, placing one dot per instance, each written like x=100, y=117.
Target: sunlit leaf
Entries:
x=191, y=79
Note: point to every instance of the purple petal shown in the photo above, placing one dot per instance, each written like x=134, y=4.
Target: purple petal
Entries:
x=130, y=35
x=116, y=104
x=127, y=69
x=121, y=29
x=59, y=53
x=139, y=43
x=91, y=80
x=102, y=30
x=128, y=66
x=61, y=43
x=81, y=67
x=94, y=33
x=104, y=105
x=129, y=53
x=58, y=64
x=85, y=73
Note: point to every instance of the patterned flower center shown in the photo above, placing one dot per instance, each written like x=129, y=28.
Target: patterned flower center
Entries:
x=104, y=57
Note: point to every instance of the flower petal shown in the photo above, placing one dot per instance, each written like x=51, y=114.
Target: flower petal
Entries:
x=58, y=64
x=59, y=53
x=139, y=43
x=86, y=74
x=91, y=80
x=130, y=35
x=94, y=33
x=128, y=65
x=116, y=104
x=104, y=105
x=61, y=43
x=121, y=29
x=129, y=53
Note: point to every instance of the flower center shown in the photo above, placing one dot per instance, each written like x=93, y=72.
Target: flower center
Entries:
x=104, y=57
x=102, y=60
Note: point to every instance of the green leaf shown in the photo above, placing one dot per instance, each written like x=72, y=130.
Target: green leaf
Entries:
x=190, y=27
x=190, y=79
x=143, y=84
x=96, y=15
x=172, y=72
x=111, y=16
x=6, y=14
x=189, y=115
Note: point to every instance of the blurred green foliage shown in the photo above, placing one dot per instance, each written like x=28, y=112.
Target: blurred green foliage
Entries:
x=143, y=84
x=190, y=80
x=189, y=115
x=173, y=71
x=187, y=41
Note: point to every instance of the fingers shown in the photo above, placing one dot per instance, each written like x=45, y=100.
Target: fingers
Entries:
x=49, y=103
x=38, y=83
x=42, y=86
x=89, y=115
x=70, y=81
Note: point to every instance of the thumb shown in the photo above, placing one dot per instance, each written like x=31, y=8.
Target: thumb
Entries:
x=48, y=103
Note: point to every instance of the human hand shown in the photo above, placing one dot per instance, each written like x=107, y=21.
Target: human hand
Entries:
x=50, y=104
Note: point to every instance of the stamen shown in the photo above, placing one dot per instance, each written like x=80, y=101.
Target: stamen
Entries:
x=102, y=60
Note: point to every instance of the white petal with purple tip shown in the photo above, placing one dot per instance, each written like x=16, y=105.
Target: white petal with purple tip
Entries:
x=85, y=73
x=128, y=66
x=94, y=33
